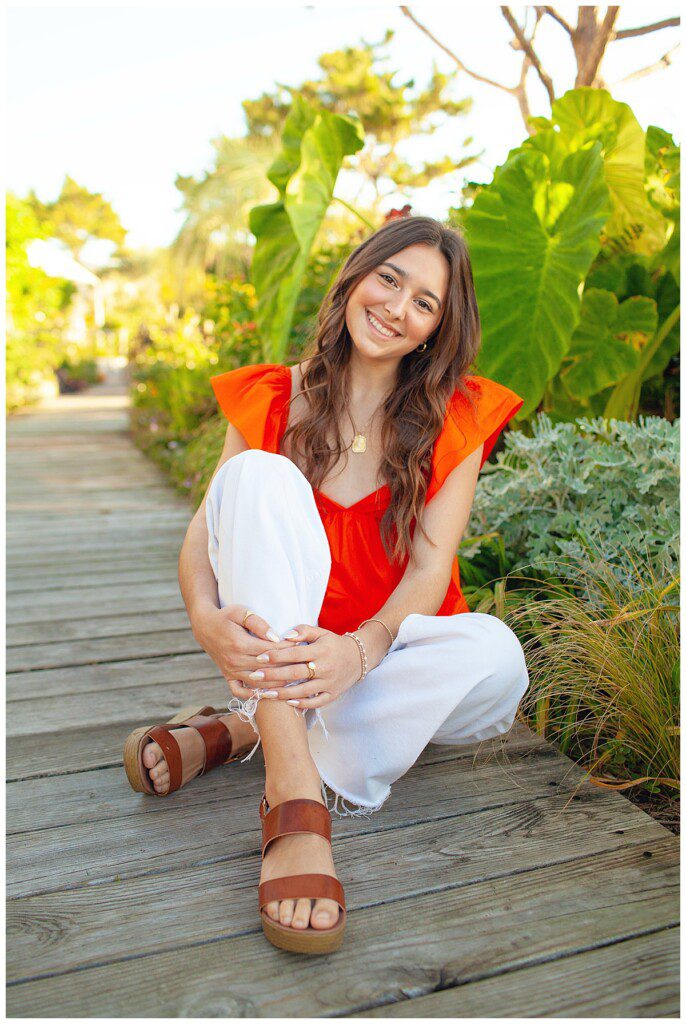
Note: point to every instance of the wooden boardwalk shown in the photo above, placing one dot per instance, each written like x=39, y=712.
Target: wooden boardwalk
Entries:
x=494, y=883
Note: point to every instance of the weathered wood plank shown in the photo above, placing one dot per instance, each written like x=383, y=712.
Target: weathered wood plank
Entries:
x=89, y=796
x=148, y=571
x=114, y=675
x=105, y=650
x=466, y=933
x=71, y=712
x=93, y=629
x=74, y=604
x=65, y=856
x=632, y=979
x=399, y=863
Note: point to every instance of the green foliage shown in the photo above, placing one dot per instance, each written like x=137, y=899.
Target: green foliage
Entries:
x=533, y=235
x=587, y=206
x=36, y=306
x=78, y=215
x=314, y=145
x=574, y=489
x=357, y=79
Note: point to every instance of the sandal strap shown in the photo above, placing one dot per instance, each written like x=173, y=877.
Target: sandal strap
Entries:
x=217, y=740
x=294, y=816
x=172, y=754
x=293, y=887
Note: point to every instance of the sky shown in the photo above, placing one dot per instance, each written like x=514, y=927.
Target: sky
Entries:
x=125, y=98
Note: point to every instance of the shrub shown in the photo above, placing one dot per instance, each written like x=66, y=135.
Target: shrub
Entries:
x=573, y=489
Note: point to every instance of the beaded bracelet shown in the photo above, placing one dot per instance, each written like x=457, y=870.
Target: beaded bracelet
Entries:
x=382, y=623
x=363, y=654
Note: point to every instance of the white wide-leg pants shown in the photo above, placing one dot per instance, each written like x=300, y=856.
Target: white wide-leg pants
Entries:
x=453, y=679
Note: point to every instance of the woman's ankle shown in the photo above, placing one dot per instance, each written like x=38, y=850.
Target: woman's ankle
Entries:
x=302, y=783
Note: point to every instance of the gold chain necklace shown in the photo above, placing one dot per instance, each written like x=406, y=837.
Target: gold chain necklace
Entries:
x=359, y=442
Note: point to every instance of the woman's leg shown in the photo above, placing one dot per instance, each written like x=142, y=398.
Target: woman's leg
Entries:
x=270, y=552
x=446, y=679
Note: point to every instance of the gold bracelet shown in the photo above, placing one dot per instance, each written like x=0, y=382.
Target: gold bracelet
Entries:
x=363, y=655
x=382, y=623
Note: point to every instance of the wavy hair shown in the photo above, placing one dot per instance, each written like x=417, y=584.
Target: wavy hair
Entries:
x=414, y=412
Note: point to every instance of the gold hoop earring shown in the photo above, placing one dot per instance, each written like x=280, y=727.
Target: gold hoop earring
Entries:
x=421, y=348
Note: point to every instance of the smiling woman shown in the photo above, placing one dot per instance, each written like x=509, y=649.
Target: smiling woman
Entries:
x=299, y=593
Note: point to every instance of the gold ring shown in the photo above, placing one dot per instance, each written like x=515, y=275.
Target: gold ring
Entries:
x=245, y=617
x=312, y=669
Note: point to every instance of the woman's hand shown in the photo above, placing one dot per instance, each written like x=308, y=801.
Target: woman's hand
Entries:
x=337, y=660
x=234, y=648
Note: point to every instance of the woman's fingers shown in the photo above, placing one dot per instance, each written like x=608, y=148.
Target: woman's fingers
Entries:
x=307, y=689
x=253, y=623
x=239, y=690
x=317, y=701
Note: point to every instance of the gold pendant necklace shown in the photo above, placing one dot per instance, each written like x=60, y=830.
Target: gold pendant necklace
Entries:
x=359, y=440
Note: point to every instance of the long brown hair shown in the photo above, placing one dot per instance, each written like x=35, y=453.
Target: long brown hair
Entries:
x=414, y=412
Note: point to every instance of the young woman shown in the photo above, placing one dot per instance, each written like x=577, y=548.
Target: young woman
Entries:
x=319, y=572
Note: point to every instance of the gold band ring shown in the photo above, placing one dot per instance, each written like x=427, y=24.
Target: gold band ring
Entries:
x=312, y=669
x=245, y=617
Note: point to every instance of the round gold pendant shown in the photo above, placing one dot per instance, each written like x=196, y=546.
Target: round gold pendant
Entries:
x=359, y=443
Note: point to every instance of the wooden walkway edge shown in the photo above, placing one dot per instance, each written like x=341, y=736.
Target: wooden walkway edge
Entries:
x=495, y=882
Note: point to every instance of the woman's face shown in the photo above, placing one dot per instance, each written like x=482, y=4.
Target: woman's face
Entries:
x=397, y=306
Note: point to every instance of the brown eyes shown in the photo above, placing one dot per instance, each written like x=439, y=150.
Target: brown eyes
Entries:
x=389, y=277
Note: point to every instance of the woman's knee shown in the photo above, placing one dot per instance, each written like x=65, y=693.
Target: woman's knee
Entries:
x=505, y=652
x=253, y=464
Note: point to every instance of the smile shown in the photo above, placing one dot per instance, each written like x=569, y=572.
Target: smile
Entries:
x=379, y=327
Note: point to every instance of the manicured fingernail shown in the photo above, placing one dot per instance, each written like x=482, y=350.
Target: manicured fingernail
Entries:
x=291, y=634
x=296, y=702
x=262, y=657
x=271, y=635
x=270, y=693
x=256, y=675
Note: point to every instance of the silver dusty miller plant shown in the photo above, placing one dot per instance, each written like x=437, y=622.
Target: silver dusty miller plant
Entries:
x=591, y=489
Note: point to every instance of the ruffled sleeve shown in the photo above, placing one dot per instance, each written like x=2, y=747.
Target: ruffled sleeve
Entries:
x=253, y=398
x=466, y=428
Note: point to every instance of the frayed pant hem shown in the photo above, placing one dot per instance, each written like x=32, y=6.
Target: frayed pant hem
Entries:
x=343, y=806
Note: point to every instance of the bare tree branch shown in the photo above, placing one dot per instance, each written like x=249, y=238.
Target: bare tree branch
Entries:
x=463, y=67
x=664, y=62
x=530, y=52
x=628, y=33
x=590, y=56
x=558, y=18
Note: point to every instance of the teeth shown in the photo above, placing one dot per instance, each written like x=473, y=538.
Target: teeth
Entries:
x=380, y=327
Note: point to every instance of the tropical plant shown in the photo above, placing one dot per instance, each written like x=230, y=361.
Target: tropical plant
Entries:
x=575, y=262
x=314, y=146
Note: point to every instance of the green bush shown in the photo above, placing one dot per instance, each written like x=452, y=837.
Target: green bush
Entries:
x=573, y=489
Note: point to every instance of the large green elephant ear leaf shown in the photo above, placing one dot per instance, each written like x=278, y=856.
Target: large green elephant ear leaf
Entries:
x=663, y=187
x=589, y=115
x=532, y=238
x=314, y=144
x=607, y=343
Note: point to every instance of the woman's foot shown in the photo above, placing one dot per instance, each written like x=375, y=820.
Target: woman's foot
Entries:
x=192, y=748
x=299, y=855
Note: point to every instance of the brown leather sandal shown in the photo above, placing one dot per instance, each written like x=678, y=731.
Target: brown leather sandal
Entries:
x=216, y=737
x=286, y=818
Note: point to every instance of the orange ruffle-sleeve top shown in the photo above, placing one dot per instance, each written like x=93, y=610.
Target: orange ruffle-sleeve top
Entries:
x=256, y=399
